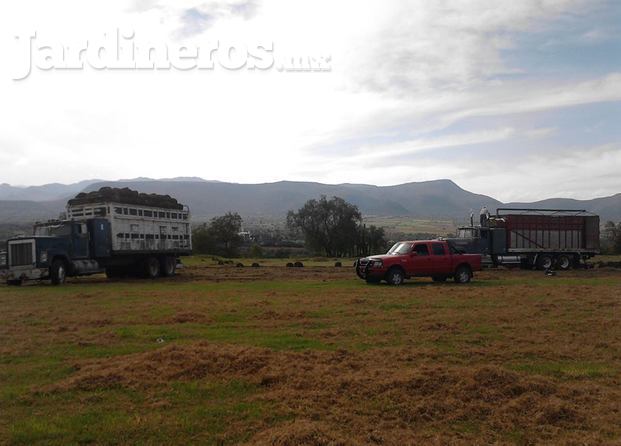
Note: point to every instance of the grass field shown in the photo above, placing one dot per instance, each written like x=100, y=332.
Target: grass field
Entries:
x=286, y=356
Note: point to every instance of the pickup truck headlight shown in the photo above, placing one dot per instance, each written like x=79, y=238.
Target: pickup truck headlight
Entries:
x=43, y=257
x=377, y=263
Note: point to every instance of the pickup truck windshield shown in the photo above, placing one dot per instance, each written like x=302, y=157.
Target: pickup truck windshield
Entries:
x=400, y=248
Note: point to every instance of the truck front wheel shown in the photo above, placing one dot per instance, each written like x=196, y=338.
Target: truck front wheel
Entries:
x=58, y=272
x=151, y=267
x=395, y=276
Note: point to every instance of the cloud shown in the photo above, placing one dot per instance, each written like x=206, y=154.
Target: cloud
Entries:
x=418, y=90
x=195, y=22
x=199, y=18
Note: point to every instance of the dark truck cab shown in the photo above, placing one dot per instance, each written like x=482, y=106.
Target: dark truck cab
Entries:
x=117, y=231
x=422, y=258
x=58, y=249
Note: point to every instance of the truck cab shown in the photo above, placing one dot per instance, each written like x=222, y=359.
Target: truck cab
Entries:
x=55, y=250
x=419, y=258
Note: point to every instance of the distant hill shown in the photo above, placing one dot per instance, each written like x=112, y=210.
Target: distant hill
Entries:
x=47, y=192
x=440, y=199
x=609, y=208
x=430, y=199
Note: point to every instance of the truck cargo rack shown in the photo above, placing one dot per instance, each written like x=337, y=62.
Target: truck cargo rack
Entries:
x=549, y=212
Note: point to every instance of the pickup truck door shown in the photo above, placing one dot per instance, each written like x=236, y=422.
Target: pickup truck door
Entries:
x=420, y=261
x=442, y=261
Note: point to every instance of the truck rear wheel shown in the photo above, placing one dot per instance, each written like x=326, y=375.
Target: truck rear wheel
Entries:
x=463, y=274
x=168, y=266
x=58, y=272
x=544, y=261
x=564, y=262
x=151, y=267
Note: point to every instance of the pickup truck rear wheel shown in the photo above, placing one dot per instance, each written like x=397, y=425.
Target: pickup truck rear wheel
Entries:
x=395, y=276
x=463, y=274
x=58, y=272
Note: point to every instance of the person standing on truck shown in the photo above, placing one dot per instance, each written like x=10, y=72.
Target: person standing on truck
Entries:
x=484, y=216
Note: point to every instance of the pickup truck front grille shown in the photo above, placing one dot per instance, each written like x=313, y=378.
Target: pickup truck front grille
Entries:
x=21, y=253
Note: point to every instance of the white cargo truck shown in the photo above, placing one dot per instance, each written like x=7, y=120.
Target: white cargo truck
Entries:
x=119, y=231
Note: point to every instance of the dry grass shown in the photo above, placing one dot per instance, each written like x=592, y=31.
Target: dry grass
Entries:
x=289, y=356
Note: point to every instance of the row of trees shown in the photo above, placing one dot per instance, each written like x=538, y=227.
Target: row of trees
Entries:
x=331, y=227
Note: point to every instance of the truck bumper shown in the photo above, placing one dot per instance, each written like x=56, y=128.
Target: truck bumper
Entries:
x=27, y=273
x=365, y=272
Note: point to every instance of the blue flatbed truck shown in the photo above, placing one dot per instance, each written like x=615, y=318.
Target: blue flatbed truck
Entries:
x=116, y=231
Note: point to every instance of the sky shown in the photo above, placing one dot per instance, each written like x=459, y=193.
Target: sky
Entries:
x=517, y=100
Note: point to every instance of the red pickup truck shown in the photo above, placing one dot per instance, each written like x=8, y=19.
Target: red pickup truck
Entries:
x=421, y=258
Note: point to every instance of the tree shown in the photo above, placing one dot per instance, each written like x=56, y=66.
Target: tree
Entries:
x=220, y=236
x=371, y=240
x=330, y=227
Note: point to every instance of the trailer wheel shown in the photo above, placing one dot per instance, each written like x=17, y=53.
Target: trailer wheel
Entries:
x=544, y=261
x=463, y=274
x=168, y=266
x=563, y=262
x=395, y=276
x=151, y=268
x=58, y=272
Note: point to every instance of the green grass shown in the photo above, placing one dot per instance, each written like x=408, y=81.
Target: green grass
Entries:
x=563, y=328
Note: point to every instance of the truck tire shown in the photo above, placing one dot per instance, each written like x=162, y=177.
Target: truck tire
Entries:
x=151, y=268
x=564, y=262
x=463, y=274
x=58, y=272
x=168, y=266
x=395, y=276
x=544, y=261
x=439, y=278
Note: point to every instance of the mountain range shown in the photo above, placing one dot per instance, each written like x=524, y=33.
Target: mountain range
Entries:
x=439, y=199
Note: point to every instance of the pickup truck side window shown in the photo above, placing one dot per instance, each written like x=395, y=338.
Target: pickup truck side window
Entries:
x=437, y=249
x=421, y=250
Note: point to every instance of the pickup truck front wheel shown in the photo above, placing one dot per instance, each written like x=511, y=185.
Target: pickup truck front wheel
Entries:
x=395, y=277
x=463, y=274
